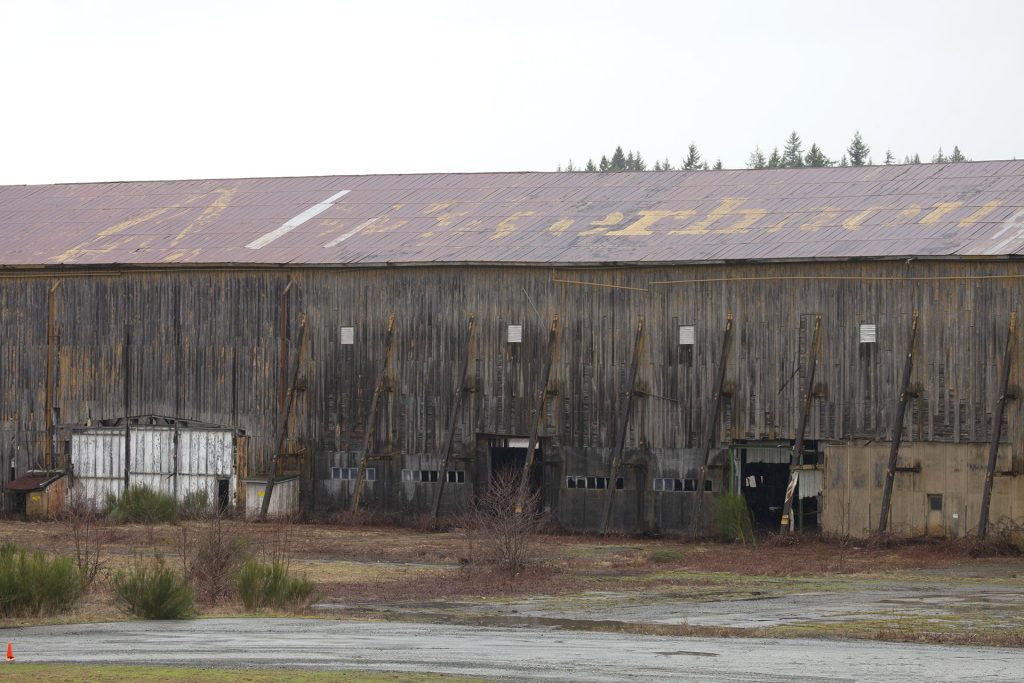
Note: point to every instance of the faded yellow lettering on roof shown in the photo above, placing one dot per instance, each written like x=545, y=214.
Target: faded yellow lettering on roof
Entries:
x=434, y=208
x=780, y=224
x=209, y=214
x=132, y=222
x=647, y=219
x=904, y=216
x=825, y=216
x=940, y=210
x=599, y=226
x=445, y=220
x=729, y=206
x=508, y=226
x=980, y=214
x=855, y=221
x=383, y=224
x=558, y=227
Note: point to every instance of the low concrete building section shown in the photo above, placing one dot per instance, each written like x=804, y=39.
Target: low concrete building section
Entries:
x=942, y=499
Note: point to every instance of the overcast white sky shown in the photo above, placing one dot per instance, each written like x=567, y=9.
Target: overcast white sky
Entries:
x=123, y=90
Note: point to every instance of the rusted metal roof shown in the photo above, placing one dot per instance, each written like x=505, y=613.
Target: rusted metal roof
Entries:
x=927, y=210
x=32, y=482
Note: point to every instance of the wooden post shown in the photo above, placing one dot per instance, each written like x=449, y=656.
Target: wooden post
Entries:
x=541, y=402
x=897, y=428
x=997, y=428
x=282, y=420
x=51, y=344
x=371, y=417
x=127, y=371
x=697, y=523
x=453, y=420
x=624, y=413
x=786, y=524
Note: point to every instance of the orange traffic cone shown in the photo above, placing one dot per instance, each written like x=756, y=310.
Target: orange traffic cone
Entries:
x=10, y=653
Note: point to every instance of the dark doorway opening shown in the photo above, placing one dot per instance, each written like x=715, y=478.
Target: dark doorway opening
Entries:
x=18, y=503
x=223, y=495
x=762, y=475
x=764, y=486
x=510, y=454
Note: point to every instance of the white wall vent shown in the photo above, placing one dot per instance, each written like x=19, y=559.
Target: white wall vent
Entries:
x=348, y=335
x=687, y=335
x=515, y=334
x=868, y=333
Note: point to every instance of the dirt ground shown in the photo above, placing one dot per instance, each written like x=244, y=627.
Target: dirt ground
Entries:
x=920, y=592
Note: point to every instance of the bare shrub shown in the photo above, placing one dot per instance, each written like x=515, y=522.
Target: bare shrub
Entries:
x=82, y=523
x=507, y=536
x=211, y=556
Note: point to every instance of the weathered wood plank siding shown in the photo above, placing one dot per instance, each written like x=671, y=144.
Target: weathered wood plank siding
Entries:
x=205, y=346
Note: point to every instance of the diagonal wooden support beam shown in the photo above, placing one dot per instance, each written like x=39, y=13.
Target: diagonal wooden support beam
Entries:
x=282, y=419
x=786, y=523
x=538, y=417
x=453, y=421
x=371, y=416
x=697, y=522
x=997, y=428
x=51, y=372
x=897, y=428
x=624, y=414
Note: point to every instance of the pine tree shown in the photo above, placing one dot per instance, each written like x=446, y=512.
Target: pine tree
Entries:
x=857, y=150
x=629, y=161
x=792, y=153
x=666, y=165
x=693, y=159
x=718, y=165
x=570, y=167
x=638, y=162
x=590, y=166
x=757, y=159
x=889, y=158
x=939, y=158
x=816, y=158
x=618, y=160
x=775, y=159
x=957, y=156
x=843, y=161
x=917, y=159
x=558, y=169
x=605, y=165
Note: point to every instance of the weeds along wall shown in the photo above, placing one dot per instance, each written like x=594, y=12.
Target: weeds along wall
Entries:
x=212, y=345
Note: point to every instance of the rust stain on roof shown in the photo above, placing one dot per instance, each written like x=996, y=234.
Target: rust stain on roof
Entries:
x=938, y=210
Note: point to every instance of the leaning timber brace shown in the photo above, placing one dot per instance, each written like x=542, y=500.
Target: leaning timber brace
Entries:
x=624, y=414
x=51, y=371
x=538, y=417
x=371, y=416
x=786, y=523
x=897, y=428
x=453, y=420
x=997, y=428
x=709, y=431
x=282, y=419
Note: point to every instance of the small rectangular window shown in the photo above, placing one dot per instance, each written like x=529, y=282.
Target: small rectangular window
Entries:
x=515, y=334
x=371, y=473
x=687, y=335
x=620, y=483
x=456, y=477
x=667, y=484
x=570, y=482
x=348, y=335
x=335, y=473
x=935, y=502
x=868, y=333
x=689, y=484
x=708, y=485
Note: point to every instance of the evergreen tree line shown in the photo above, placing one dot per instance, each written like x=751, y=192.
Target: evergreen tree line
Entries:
x=857, y=153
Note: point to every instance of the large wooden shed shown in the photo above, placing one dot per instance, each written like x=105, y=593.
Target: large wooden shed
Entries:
x=647, y=341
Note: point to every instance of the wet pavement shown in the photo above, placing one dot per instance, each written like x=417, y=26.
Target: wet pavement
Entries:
x=504, y=653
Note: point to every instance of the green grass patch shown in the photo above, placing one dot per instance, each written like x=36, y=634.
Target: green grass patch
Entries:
x=116, y=673
x=34, y=585
x=665, y=556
